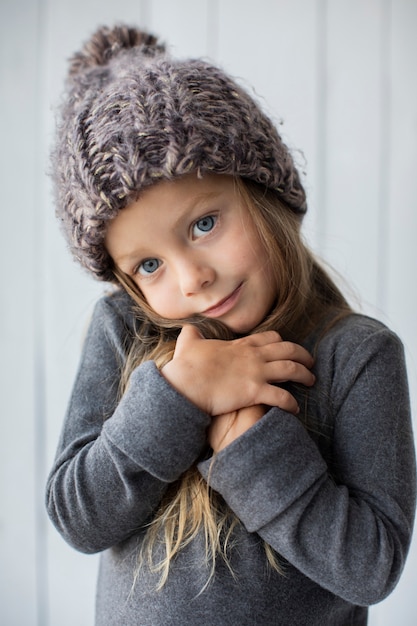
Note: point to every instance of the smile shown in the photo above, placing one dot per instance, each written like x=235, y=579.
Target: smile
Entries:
x=225, y=305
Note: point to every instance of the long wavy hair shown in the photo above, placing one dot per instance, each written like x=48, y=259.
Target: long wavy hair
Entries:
x=306, y=297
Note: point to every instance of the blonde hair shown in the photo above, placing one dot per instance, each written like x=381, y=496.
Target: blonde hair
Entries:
x=306, y=296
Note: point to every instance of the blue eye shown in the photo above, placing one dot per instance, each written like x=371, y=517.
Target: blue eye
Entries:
x=204, y=225
x=149, y=266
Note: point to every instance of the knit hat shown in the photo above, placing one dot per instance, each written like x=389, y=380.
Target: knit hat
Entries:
x=134, y=116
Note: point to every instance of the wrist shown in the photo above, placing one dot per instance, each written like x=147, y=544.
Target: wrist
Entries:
x=182, y=377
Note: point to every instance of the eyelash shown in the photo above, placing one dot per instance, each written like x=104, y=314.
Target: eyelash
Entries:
x=211, y=219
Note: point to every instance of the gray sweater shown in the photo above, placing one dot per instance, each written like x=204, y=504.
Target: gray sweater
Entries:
x=336, y=501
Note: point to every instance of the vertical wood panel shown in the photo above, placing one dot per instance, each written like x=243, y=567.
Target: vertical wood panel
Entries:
x=351, y=193
x=183, y=25
x=400, y=293
x=18, y=486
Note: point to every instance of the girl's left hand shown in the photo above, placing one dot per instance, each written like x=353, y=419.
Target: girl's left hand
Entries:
x=227, y=427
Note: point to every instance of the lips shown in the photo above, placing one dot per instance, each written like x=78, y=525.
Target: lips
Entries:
x=224, y=306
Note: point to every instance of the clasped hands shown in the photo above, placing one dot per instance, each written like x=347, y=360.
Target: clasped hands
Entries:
x=236, y=381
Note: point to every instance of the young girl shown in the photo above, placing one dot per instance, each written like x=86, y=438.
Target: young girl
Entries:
x=238, y=444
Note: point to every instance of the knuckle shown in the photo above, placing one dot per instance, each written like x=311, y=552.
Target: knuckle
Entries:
x=243, y=341
x=273, y=335
x=292, y=367
x=252, y=391
x=291, y=349
x=287, y=400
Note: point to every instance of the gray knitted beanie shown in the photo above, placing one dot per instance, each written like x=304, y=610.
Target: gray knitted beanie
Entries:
x=134, y=116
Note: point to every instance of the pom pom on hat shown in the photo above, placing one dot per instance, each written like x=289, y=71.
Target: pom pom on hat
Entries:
x=134, y=116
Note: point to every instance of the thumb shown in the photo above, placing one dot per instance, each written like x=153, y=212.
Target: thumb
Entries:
x=188, y=334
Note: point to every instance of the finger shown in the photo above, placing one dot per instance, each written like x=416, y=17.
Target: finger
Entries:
x=188, y=333
x=281, y=398
x=262, y=339
x=288, y=371
x=287, y=351
x=187, y=337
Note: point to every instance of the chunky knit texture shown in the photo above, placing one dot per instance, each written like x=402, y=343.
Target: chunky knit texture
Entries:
x=134, y=116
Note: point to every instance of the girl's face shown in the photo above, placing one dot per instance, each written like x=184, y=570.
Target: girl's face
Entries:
x=191, y=247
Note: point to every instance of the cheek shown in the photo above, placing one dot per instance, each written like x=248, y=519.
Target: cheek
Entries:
x=157, y=303
x=237, y=252
x=162, y=301
x=265, y=275
x=150, y=295
x=265, y=264
x=256, y=257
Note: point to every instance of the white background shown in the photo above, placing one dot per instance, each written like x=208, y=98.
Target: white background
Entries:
x=340, y=74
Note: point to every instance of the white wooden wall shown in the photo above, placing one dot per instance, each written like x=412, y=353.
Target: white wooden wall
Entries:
x=341, y=74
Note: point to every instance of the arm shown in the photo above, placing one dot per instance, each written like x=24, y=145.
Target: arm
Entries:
x=225, y=428
x=346, y=526
x=114, y=461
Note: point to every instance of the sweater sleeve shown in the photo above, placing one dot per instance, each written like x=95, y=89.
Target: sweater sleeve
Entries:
x=115, y=459
x=343, y=518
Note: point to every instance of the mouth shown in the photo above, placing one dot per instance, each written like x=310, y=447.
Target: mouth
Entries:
x=225, y=305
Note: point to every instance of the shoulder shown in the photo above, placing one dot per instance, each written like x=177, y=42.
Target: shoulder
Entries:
x=357, y=332
x=347, y=345
x=114, y=323
x=116, y=308
x=360, y=370
x=357, y=345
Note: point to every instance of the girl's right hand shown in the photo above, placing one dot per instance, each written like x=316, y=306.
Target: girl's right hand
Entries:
x=223, y=376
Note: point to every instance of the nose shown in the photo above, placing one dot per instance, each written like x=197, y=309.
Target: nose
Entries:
x=194, y=275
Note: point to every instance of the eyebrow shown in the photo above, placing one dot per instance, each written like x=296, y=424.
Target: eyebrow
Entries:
x=196, y=201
